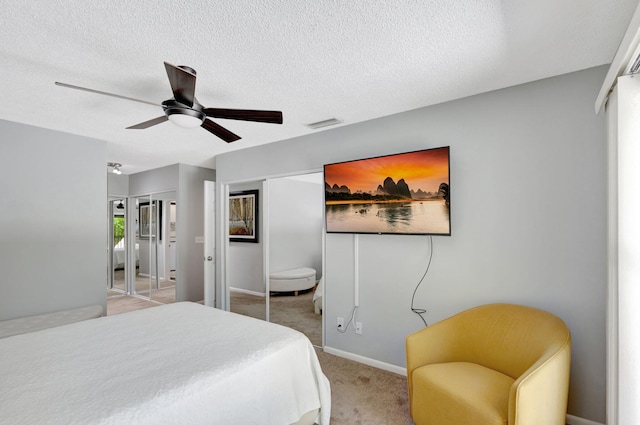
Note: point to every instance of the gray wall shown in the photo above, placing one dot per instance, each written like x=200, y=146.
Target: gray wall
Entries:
x=245, y=260
x=161, y=183
x=188, y=183
x=528, y=203
x=53, y=248
x=117, y=185
x=295, y=225
x=162, y=179
x=189, y=225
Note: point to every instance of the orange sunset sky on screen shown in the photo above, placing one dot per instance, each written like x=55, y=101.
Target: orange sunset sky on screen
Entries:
x=420, y=170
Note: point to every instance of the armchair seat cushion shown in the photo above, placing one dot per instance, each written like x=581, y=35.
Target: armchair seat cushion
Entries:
x=460, y=393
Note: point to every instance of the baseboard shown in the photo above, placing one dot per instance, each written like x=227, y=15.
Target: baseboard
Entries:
x=246, y=291
x=366, y=360
x=575, y=420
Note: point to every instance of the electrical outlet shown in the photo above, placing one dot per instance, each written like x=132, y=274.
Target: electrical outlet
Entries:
x=340, y=323
x=359, y=328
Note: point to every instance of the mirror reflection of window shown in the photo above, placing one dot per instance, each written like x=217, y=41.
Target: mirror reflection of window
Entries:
x=117, y=277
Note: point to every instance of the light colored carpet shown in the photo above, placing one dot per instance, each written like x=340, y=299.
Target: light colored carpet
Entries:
x=125, y=303
x=166, y=293
x=143, y=283
x=288, y=310
x=365, y=395
x=248, y=305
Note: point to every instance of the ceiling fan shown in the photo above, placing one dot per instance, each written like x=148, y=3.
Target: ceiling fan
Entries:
x=185, y=111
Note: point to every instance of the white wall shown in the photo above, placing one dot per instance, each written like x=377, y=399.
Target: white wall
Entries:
x=528, y=204
x=53, y=248
x=295, y=224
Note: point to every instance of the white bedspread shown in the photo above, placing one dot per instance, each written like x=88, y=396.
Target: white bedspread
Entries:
x=182, y=363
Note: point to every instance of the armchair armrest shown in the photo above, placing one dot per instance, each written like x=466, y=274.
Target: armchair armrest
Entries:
x=434, y=344
x=539, y=396
x=429, y=345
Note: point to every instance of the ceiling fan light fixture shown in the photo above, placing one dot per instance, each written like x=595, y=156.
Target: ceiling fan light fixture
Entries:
x=184, y=110
x=186, y=118
x=116, y=167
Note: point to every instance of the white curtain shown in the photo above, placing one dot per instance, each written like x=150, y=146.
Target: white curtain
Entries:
x=623, y=386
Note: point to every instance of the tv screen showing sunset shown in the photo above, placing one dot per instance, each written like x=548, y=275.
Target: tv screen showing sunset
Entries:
x=405, y=193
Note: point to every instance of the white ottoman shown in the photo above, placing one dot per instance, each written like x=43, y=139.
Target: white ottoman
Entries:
x=293, y=280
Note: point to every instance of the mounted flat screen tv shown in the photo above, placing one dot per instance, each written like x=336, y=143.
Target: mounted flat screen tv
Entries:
x=405, y=194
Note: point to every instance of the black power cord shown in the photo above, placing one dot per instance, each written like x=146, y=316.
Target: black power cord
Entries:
x=421, y=311
x=353, y=316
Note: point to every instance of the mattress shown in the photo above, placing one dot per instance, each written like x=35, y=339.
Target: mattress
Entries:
x=179, y=363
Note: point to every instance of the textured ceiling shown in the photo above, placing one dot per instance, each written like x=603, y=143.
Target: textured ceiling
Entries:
x=311, y=59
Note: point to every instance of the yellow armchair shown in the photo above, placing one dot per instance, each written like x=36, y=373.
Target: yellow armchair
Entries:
x=493, y=364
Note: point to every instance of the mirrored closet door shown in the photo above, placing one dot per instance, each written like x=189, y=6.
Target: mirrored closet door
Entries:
x=290, y=210
x=295, y=241
x=116, y=282
x=155, y=244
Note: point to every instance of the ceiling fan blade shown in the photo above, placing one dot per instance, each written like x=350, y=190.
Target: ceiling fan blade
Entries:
x=219, y=131
x=183, y=84
x=70, y=86
x=149, y=123
x=274, y=117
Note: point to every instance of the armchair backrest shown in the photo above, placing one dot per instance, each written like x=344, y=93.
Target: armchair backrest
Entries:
x=505, y=337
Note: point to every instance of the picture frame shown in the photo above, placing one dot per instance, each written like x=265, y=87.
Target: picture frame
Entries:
x=146, y=224
x=243, y=216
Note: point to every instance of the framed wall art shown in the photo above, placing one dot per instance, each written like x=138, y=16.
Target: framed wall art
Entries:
x=243, y=216
x=147, y=219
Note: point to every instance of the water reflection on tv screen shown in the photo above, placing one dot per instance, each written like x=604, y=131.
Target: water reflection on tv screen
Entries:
x=405, y=193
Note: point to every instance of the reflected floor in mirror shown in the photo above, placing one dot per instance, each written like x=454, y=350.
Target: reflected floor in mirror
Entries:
x=296, y=312
x=142, y=282
x=117, y=302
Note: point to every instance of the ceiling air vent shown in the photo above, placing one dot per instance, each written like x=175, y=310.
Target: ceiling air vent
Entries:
x=635, y=66
x=324, y=123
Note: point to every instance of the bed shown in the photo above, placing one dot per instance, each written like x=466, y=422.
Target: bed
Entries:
x=317, y=296
x=119, y=255
x=179, y=363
